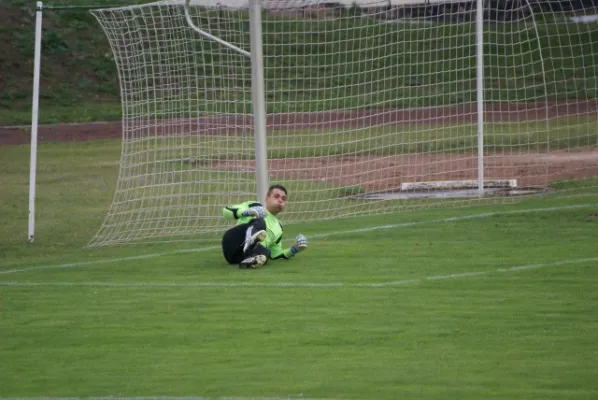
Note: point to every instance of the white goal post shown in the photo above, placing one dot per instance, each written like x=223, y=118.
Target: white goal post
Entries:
x=358, y=108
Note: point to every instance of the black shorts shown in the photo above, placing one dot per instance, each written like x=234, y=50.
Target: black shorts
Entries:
x=234, y=238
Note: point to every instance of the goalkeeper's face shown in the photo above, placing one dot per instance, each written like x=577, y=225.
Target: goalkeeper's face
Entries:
x=276, y=201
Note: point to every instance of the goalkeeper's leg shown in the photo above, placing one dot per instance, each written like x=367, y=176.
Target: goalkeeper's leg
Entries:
x=242, y=241
x=256, y=258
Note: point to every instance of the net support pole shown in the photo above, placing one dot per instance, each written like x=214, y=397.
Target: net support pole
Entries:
x=257, y=87
x=480, y=91
x=207, y=35
x=34, y=119
x=258, y=98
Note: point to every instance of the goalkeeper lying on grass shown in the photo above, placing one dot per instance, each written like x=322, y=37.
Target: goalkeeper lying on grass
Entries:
x=257, y=236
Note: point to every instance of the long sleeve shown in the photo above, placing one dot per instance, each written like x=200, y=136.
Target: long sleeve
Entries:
x=235, y=212
x=278, y=252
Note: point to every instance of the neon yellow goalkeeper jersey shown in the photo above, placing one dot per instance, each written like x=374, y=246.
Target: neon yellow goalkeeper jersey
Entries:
x=274, y=228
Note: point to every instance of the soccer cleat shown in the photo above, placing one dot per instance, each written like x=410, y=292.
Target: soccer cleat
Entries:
x=252, y=238
x=253, y=262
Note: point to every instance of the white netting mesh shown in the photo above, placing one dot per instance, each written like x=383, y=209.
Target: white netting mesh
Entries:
x=362, y=100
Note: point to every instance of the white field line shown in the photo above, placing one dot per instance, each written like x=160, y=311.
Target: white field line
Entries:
x=314, y=285
x=317, y=236
x=164, y=398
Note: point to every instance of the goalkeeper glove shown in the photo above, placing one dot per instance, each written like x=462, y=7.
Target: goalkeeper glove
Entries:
x=257, y=211
x=300, y=244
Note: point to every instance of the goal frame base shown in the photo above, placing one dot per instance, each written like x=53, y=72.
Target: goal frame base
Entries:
x=458, y=184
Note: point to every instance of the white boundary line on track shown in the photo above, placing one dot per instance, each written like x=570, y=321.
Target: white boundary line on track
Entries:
x=314, y=285
x=321, y=235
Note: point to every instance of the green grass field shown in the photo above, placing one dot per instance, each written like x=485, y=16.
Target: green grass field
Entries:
x=478, y=302
x=471, y=303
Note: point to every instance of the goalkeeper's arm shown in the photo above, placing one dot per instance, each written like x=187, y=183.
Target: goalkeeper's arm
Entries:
x=299, y=246
x=244, y=210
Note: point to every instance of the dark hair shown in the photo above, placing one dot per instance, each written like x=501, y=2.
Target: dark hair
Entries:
x=279, y=187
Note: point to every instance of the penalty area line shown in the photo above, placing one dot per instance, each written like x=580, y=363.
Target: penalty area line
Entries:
x=165, y=398
x=312, y=285
x=316, y=236
x=107, y=260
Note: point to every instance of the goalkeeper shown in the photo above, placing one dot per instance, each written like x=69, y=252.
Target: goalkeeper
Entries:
x=257, y=236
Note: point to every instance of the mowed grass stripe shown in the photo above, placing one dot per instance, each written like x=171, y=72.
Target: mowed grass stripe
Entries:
x=314, y=285
x=317, y=236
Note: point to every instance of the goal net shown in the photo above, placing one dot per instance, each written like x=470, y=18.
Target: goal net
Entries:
x=372, y=107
